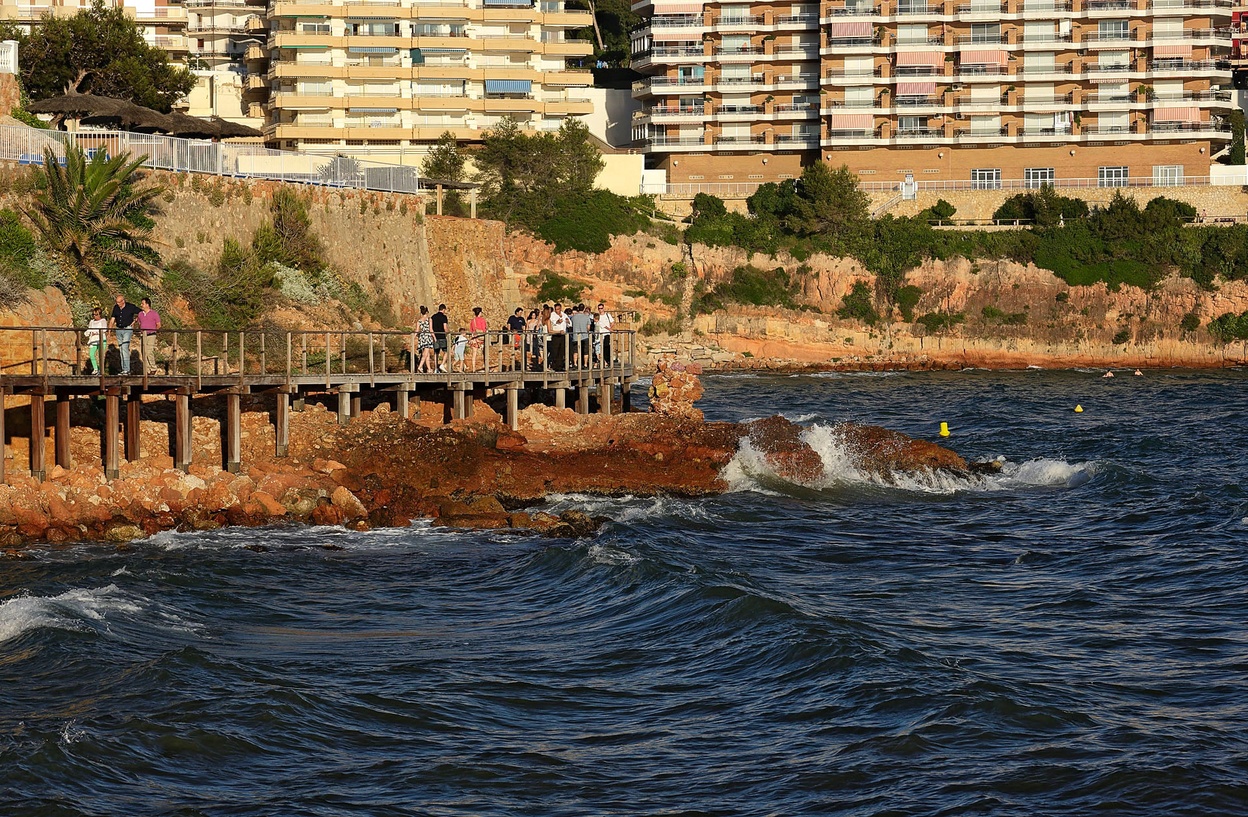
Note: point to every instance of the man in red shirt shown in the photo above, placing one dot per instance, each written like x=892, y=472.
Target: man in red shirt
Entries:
x=147, y=322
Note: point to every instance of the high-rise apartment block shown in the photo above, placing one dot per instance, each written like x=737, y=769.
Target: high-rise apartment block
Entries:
x=974, y=93
x=384, y=78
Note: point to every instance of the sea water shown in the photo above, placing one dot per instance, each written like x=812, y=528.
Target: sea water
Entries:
x=1066, y=637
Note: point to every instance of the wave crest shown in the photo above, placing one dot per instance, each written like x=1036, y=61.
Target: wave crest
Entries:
x=71, y=610
x=750, y=470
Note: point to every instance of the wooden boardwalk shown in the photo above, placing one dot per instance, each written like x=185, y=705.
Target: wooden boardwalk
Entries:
x=289, y=366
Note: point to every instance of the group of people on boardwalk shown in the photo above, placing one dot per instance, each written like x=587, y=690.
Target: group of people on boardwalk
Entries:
x=548, y=338
x=124, y=320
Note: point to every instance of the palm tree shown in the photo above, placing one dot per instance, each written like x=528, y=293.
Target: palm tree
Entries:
x=92, y=214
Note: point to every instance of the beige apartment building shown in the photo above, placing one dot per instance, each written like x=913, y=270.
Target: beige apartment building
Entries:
x=163, y=23
x=966, y=94
x=386, y=79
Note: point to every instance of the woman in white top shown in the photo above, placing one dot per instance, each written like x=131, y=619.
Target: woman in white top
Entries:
x=96, y=329
x=602, y=337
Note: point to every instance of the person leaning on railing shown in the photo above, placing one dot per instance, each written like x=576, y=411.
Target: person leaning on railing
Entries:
x=122, y=324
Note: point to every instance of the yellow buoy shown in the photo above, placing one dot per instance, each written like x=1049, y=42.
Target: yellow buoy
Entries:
x=1078, y=409
x=944, y=429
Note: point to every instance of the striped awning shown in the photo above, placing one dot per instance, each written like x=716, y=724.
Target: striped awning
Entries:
x=851, y=121
x=987, y=57
x=305, y=47
x=354, y=109
x=389, y=18
x=1162, y=52
x=371, y=49
x=920, y=59
x=1183, y=114
x=442, y=50
x=675, y=36
x=508, y=86
x=661, y=7
x=845, y=30
x=916, y=88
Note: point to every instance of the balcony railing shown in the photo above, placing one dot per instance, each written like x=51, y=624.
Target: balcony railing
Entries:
x=853, y=10
x=1191, y=4
x=738, y=109
x=917, y=101
x=920, y=41
x=980, y=8
x=738, y=20
x=800, y=19
x=674, y=51
x=797, y=139
x=1188, y=127
x=1102, y=5
x=794, y=79
x=851, y=103
x=979, y=39
x=1046, y=132
x=1189, y=65
x=920, y=133
x=740, y=140
x=807, y=108
x=676, y=21
x=665, y=110
x=1046, y=5
x=673, y=141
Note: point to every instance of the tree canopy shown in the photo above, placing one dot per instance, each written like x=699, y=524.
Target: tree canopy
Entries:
x=523, y=177
x=99, y=51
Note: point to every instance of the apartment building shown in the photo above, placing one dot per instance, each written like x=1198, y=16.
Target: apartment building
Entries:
x=386, y=79
x=982, y=93
x=163, y=23
x=219, y=34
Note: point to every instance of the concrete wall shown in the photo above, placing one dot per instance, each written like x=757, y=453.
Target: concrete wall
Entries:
x=612, y=117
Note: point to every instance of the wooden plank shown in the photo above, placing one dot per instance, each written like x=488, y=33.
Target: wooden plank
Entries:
x=400, y=403
x=561, y=400
x=606, y=393
x=583, y=401
x=344, y=406
x=62, y=430
x=457, y=404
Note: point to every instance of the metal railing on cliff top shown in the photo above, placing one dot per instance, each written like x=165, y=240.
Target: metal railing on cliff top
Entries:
x=239, y=160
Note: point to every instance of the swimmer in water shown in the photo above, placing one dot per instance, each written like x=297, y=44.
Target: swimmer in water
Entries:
x=1138, y=373
x=1108, y=374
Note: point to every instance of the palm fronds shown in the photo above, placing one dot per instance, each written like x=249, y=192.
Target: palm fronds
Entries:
x=94, y=215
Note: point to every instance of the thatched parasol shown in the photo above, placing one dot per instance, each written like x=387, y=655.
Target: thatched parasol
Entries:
x=232, y=130
x=101, y=110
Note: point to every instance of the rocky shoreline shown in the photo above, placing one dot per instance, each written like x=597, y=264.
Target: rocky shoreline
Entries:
x=384, y=470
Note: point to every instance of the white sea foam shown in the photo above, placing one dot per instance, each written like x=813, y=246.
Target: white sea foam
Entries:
x=71, y=610
x=628, y=508
x=749, y=470
x=608, y=555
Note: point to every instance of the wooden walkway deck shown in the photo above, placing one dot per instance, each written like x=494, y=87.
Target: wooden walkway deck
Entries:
x=290, y=366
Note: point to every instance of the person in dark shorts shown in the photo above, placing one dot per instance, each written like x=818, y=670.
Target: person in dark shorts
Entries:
x=439, y=321
x=516, y=326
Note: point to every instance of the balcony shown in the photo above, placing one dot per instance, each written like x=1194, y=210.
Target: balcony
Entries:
x=1109, y=5
x=674, y=141
x=677, y=21
x=738, y=110
x=979, y=39
x=1032, y=132
x=758, y=139
x=737, y=20
x=1188, y=66
x=854, y=10
x=1045, y=6
x=920, y=133
x=981, y=8
x=1175, y=5
x=673, y=111
x=807, y=139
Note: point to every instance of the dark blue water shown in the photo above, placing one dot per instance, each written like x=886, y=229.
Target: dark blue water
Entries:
x=1067, y=638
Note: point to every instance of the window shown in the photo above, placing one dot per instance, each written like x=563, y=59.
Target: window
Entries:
x=1167, y=175
x=986, y=179
x=1037, y=176
x=1112, y=177
x=985, y=33
x=1113, y=30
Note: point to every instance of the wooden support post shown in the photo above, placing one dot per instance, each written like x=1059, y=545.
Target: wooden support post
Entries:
x=457, y=403
x=112, y=421
x=472, y=203
x=233, y=433
x=38, y=431
x=282, y=420
x=606, y=394
x=4, y=447
x=438, y=190
x=133, y=445
x=582, y=402
x=344, y=405
x=298, y=403
x=356, y=404
x=182, y=443
x=62, y=430
x=561, y=400
x=513, y=406
x=626, y=395
x=400, y=403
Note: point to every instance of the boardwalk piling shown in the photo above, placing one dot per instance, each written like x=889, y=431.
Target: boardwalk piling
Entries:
x=38, y=469
x=282, y=423
x=344, y=405
x=233, y=433
x=134, y=404
x=62, y=430
x=112, y=421
x=182, y=429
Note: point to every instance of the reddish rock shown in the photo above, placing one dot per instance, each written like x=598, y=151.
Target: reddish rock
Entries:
x=267, y=504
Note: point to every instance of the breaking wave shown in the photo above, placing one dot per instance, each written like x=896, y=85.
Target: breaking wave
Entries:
x=749, y=470
x=75, y=610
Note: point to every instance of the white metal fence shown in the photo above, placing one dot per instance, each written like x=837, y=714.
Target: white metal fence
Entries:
x=746, y=189
x=226, y=159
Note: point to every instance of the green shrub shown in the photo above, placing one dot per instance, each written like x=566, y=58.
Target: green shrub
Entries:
x=994, y=315
x=1229, y=327
x=857, y=304
x=1122, y=336
x=751, y=285
x=554, y=288
x=907, y=298
x=941, y=321
x=1190, y=322
x=587, y=222
x=660, y=326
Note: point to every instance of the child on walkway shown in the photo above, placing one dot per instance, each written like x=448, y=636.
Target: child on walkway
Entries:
x=96, y=327
x=459, y=347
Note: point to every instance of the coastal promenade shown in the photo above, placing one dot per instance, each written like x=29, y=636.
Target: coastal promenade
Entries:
x=42, y=364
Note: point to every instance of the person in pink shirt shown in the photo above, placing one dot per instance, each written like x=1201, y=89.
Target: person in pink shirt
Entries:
x=476, y=340
x=147, y=323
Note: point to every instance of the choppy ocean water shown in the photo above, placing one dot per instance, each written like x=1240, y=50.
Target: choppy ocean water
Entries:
x=1067, y=638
